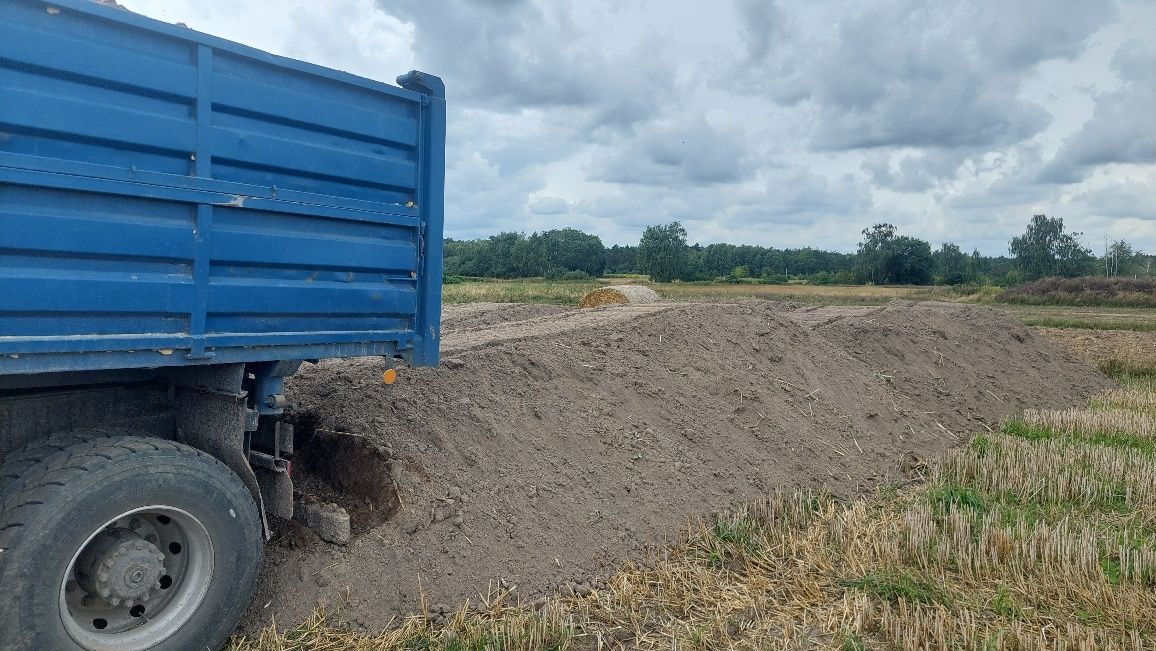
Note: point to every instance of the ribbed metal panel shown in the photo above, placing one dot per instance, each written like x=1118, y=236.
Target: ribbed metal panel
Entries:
x=170, y=198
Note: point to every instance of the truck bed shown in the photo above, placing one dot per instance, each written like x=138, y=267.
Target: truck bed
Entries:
x=170, y=198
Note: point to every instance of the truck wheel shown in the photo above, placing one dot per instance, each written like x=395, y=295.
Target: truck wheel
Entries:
x=126, y=544
x=17, y=462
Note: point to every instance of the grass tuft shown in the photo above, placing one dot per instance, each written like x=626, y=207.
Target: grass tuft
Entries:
x=946, y=498
x=897, y=586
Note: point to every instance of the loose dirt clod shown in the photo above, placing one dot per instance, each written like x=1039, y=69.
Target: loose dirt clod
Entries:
x=618, y=295
x=329, y=521
x=582, y=437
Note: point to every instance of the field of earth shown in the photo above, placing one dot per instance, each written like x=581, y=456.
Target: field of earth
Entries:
x=621, y=477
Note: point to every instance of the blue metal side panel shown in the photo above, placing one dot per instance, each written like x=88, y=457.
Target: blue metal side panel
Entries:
x=170, y=198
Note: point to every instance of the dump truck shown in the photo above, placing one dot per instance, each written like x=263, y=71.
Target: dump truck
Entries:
x=184, y=222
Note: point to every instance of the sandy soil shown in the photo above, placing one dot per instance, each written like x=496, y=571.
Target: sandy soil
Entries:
x=553, y=444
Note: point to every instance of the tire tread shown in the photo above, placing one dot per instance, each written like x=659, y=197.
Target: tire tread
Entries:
x=21, y=459
x=23, y=498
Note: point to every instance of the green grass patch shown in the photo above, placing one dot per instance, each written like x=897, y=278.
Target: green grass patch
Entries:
x=1012, y=509
x=981, y=444
x=953, y=497
x=1128, y=372
x=738, y=531
x=1120, y=440
x=894, y=585
x=559, y=292
x=1005, y=604
x=1090, y=323
x=852, y=642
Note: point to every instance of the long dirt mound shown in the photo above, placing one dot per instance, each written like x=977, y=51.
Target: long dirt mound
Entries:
x=552, y=445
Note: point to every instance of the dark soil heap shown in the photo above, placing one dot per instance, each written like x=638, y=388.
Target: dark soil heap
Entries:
x=554, y=444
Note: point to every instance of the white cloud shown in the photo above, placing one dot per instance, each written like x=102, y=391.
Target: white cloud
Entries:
x=1121, y=129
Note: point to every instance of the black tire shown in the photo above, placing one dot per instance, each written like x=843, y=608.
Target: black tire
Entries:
x=17, y=462
x=50, y=512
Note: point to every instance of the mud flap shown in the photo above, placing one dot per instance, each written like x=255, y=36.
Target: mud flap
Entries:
x=211, y=417
x=277, y=491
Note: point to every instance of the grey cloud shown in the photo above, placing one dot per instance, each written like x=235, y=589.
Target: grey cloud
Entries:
x=803, y=196
x=914, y=171
x=547, y=205
x=690, y=151
x=481, y=201
x=1120, y=200
x=1023, y=33
x=517, y=54
x=1122, y=129
x=925, y=74
x=761, y=21
x=501, y=51
x=515, y=142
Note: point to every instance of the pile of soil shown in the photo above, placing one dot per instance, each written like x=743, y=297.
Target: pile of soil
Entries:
x=554, y=444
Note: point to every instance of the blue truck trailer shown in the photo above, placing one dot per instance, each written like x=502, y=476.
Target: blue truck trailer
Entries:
x=184, y=221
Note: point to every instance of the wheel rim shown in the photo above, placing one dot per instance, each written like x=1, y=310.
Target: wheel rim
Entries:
x=137, y=579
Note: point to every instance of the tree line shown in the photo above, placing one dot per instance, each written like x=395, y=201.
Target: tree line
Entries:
x=884, y=256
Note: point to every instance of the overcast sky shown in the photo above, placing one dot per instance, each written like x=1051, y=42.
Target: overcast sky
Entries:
x=788, y=123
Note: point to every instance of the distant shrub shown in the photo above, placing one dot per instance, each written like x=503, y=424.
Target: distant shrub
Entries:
x=574, y=275
x=1085, y=291
x=452, y=280
x=738, y=280
x=776, y=279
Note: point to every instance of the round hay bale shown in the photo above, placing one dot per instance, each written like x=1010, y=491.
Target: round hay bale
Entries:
x=618, y=295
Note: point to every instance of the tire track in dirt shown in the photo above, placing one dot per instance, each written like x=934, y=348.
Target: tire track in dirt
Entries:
x=458, y=341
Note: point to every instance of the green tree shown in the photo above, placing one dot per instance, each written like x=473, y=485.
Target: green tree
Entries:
x=1046, y=250
x=952, y=266
x=572, y=250
x=910, y=262
x=663, y=253
x=622, y=259
x=885, y=257
x=873, y=252
x=1145, y=264
x=1120, y=258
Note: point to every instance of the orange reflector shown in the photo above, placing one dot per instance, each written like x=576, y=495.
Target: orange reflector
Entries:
x=389, y=377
